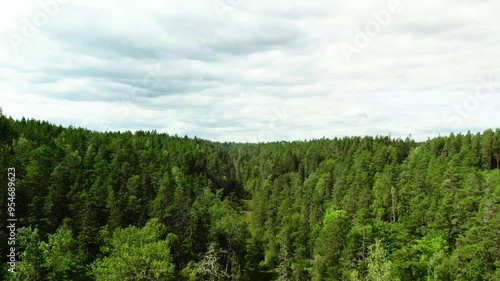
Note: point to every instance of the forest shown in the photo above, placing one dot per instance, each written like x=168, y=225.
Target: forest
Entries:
x=152, y=206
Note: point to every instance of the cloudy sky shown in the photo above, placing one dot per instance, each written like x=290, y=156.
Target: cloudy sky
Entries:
x=241, y=70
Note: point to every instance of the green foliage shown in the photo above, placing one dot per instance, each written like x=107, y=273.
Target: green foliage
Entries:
x=149, y=206
x=62, y=256
x=379, y=266
x=136, y=254
x=31, y=265
x=330, y=244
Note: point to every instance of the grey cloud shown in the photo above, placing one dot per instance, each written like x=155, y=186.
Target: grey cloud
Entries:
x=259, y=39
x=265, y=70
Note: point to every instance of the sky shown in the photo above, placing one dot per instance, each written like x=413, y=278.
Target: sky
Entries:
x=254, y=71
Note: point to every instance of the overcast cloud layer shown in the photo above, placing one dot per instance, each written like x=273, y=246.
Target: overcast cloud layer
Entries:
x=240, y=70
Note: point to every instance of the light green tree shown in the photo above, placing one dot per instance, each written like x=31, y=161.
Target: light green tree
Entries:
x=136, y=254
x=379, y=266
x=63, y=259
x=330, y=244
x=30, y=266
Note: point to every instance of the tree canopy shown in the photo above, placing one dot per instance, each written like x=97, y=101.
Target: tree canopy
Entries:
x=151, y=206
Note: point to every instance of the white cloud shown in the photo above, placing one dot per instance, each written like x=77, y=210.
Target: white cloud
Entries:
x=239, y=70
